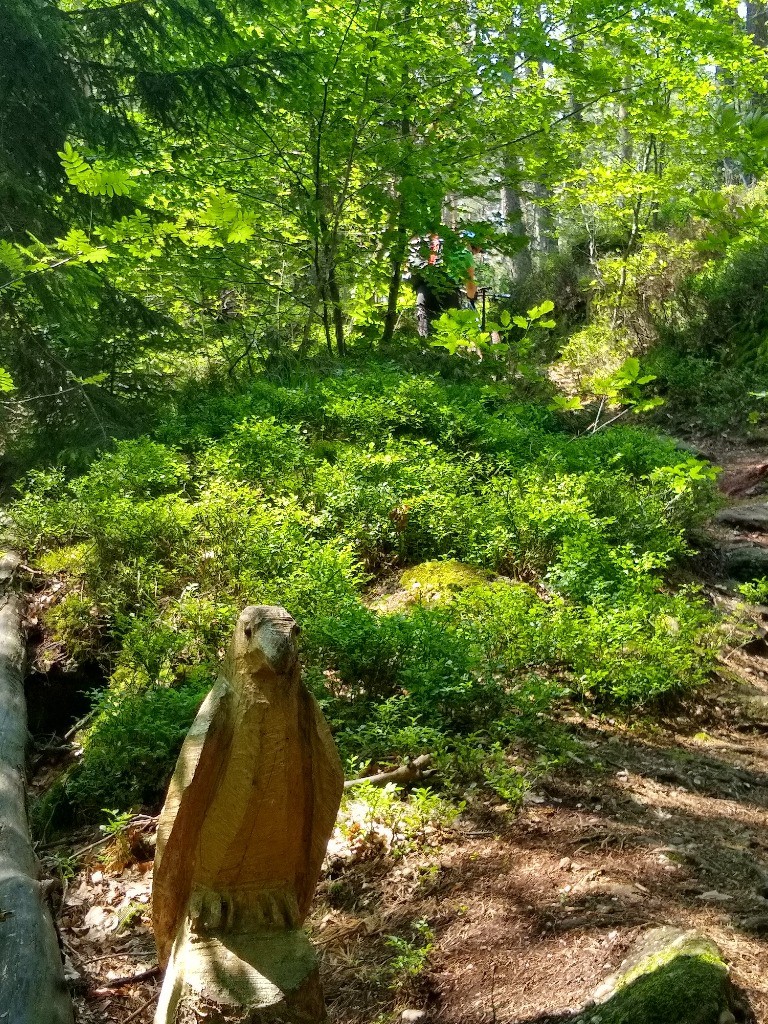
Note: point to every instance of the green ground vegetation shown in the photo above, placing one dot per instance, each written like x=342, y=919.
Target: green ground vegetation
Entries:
x=687, y=982
x=308, y=490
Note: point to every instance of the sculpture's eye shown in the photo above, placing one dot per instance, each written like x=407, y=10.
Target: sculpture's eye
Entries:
x=248, y=632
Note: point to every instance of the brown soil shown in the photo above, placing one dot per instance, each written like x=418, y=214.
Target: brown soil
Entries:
x=650, y=826
x=662, y=822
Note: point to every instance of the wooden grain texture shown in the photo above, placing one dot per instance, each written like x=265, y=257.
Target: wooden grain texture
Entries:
x=32, y=987
x=242, y=836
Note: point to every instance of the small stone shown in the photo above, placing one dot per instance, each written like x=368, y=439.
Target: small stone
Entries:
x=714, y=897
x=757, y=924
x=413, y=1016
x=564, y=863
x=726, y=1017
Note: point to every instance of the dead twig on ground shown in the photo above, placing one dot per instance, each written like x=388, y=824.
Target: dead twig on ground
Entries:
x=133, y=979
x=409, y=772
x=141, y=1009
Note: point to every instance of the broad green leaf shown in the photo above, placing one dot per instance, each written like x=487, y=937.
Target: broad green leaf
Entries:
x=241, y=231
x=99, y=255
x=630, y=369
x=538, y=311
x=6, y=380
x=563, y=404
x=647, y=405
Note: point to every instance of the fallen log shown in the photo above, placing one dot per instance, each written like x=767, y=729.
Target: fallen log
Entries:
x=410, y=772
x=32, y=986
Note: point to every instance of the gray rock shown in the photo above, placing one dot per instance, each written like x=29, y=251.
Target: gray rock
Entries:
x=753, y=516
x=413, y=1016
x=692, y=449
x=669, y=976
x=757, y=924
x=746, y=561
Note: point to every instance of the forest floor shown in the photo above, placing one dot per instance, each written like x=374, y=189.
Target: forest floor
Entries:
x=653, y=821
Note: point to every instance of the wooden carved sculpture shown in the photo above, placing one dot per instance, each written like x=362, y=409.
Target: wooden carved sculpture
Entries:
x=241, y=839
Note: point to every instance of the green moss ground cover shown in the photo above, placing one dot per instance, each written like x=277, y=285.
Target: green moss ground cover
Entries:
x=683, y=981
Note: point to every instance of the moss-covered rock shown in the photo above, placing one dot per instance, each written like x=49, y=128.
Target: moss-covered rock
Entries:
x=440, y=579
x=670, y=977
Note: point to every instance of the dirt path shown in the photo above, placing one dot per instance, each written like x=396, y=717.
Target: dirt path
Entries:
x=664, y=825
x=653, y=822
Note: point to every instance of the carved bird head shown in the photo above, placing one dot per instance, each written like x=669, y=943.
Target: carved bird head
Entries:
x=267, y=636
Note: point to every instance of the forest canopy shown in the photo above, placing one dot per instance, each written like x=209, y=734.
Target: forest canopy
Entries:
x=238, y=182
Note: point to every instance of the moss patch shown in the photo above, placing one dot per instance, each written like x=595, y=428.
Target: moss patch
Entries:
x=71, y=559
x=673, y=978
x=439, y=579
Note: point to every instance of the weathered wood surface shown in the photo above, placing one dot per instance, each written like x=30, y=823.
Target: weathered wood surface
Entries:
x=32, y=987
x=242, y=836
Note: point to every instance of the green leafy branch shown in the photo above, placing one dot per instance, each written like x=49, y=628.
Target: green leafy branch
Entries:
x=93, y=177
x=460, y=328
x=624, y=389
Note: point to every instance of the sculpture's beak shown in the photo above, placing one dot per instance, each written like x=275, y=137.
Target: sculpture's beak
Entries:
x=272, y=634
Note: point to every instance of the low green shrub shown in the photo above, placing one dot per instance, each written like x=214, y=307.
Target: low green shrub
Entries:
x=306, y=494
x=406, y=499
x=755, y=591
x=707, y=393
x=131, y=746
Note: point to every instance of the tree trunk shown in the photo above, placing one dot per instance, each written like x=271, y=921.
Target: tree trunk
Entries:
x=512, y=219
x=393, y=292
x=425, y=309
x=400, y=245
x=626, y=143
x=757, y=22
x=32, y=987
x=511, y=209
x=543, y=228
x=336, y=310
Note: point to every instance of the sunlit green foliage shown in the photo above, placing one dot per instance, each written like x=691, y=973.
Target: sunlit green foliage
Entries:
x=333, y=480
x=214, y=392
